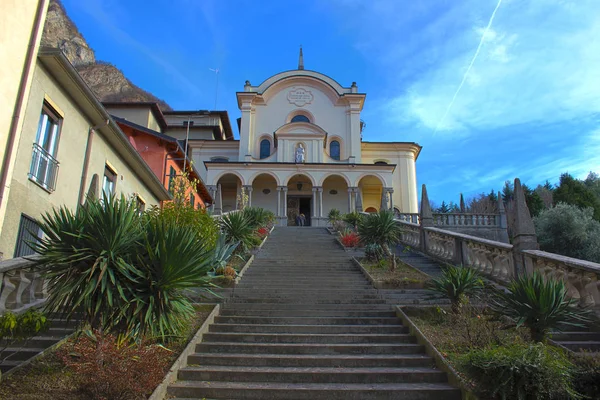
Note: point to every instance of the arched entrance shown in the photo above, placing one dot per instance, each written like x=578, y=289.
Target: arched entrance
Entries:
x=335, y=194
x=371, y=189
x=231, y=189
x=264, y=192
x=299, y=199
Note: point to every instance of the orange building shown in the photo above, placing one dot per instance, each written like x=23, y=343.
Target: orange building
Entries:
x=166, y=158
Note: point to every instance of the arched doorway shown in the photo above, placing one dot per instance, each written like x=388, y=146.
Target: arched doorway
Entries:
x=264, y=192
x=231, y=189
x=299, y=199
x=371, y=189
x=335, y=194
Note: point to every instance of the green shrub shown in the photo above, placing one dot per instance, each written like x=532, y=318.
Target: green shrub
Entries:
x=587, y=377
x=258, y=217
x=522, y=371
x=353, y=218
x=373, y=252
x=125, y=273
x=540, y=304
x=222, y=252
x=334, y=215
x=16, y=328
x=237, y=228
x=457, y=284
x=381, y=229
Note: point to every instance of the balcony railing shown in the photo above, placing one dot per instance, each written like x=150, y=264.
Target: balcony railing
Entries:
x=44, y=168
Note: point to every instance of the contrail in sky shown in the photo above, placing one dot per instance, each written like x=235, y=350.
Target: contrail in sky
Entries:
x=487, y=28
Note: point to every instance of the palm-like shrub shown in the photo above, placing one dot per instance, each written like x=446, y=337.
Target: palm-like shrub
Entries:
x=334, y=215
x=381, y=229
x=353, y=218
x=236, y=226
x=457, y=284
x=374, y=252
x=258, y=217
x=125, y=273
x=540, y=305
x=222, y=252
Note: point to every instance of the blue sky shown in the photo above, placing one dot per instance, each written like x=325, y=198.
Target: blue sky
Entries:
x=489, y=99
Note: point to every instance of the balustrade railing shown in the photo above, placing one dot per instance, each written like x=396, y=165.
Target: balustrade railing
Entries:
x=581, y=277
x=21, y=285
x=409, y=217
x=410, y=233
x=462, y=219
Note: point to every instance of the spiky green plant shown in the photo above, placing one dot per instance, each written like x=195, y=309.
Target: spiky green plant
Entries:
x=222, y=252
x=353, y=218
x=457, y=284
x=334, y=215
x=258, y=216
x=125, y=273
x=540, y=304
x=236, y=226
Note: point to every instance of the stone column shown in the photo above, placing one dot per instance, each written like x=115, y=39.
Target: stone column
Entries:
x=279, y=189
x=320, y=189
x=285, y=190
x=212, y=189
x=248, y=190
x=389, y=193
x=525, y=237
x=350, y=190
x=314, y=201
x=357, y=199
x=219, y=201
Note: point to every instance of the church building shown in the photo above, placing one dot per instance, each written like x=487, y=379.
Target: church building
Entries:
x=300, y=151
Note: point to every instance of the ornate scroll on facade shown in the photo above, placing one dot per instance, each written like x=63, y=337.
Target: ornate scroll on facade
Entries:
x=300, y=96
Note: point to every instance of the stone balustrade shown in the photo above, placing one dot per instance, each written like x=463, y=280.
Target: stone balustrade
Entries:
x=464, y=219
x=581, y=277
x=410, y=233
x=408, y=217
x=21, y=285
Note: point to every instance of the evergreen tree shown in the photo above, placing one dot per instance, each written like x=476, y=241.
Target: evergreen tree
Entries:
x=576, y=192
x=508, y=192
x=444, y=209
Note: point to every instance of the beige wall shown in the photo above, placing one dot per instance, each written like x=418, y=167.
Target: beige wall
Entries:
x=17, y=19
x=26, y=196
x=140, y=116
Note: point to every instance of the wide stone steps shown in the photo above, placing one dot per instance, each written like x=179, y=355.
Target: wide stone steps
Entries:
x=314, y=391
x=304, y=323
x=312, y=360
x=312, y=374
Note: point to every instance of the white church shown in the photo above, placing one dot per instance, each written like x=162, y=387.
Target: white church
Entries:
x=300, y=151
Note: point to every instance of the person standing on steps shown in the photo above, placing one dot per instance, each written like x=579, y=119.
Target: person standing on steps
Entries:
x=298, y=220
x=302, y=220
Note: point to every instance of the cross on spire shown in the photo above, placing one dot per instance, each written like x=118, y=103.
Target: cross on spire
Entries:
x=301, y=59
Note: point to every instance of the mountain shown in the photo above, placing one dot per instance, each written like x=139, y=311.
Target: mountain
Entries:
x=106, y=81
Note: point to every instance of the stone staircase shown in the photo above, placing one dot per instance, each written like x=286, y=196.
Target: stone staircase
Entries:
x=305, y=324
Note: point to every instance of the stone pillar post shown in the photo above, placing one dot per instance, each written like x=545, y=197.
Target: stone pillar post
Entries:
x=314, y=202
x=525, y=237
x=502, y=223
x=426, y=218
x=384, y=203
x=219, y=201
x=320, y=202
x=247, y=189
x=357, y=200
x=279, y=189
x=212, y=189
x=285, y=190
x=350, y=189
x=389, y=193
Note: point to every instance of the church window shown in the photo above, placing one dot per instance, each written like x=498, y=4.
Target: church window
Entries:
x=265, y=148
x=300, y=118
x=219, y=159
x=380, y=163
x=334, y=149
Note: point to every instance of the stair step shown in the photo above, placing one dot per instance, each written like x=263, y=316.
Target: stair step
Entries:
x=334, y=329
x=311, y=374
x=243, y=337
x=312, y=360
x=309, y=348
x=389, y=319
x=19, y=353
x=314, y=391
x=308, y=313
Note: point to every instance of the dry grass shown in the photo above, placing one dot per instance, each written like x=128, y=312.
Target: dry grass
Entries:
x=49, y=378
x=403, y=274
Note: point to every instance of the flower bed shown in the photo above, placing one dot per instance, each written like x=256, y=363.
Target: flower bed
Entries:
x=403, y=276
x=63, y=375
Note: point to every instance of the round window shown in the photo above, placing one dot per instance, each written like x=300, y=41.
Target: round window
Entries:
x=266, y=191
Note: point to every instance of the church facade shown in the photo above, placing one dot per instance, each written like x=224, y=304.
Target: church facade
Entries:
x=300, y=150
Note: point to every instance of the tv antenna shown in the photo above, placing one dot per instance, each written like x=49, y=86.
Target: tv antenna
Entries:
x=216, y=71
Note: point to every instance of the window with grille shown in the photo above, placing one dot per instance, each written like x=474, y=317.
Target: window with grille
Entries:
x=29, y=232
x=109, y=181
x=44, y=165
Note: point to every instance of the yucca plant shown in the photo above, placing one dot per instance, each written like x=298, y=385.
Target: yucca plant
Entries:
x=540, y=305
x=353, y=218
x=334, y=215
x=457, y=284
x=258, y=216
x=236, y=226
x=171, y=261
x=222, y=252
x=88, y=257
x=380, y=229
